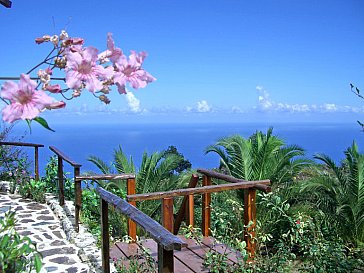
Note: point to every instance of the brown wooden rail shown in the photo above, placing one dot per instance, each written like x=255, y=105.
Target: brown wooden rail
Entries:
x=167, y=242
x=76, y=172
x=249, y=187
x=130, y=189
x=36, y=153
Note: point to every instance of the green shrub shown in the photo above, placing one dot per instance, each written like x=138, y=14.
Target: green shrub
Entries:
x=17, y=254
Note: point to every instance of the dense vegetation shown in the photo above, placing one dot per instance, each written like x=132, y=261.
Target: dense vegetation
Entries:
x=313, y=221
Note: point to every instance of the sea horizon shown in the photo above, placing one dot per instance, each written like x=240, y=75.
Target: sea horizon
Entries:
x=79, y=141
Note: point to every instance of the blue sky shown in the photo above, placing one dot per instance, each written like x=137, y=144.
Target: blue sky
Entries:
x=225, y=60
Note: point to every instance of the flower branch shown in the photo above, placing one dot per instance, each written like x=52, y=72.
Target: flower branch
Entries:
x=85, y=69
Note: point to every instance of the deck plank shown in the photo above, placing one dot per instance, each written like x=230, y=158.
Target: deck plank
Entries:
x=188, y=260
x=233, y=255
x=179, y=267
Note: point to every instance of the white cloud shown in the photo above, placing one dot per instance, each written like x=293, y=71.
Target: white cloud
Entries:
x=203, y=106
x=133, y=102
x=265, y=104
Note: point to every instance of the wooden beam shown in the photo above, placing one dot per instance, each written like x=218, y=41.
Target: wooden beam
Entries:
x=152, y=227
x=105, y=239
x=64, y=157
x=20, y=143
x=132, y=227
x=6, y=3
x=165, y=257
x=60, y=181
x=206, y=207
x=203, y=190
x=250, y=219
x=106, y=177
x=231, y=179
x=78, y=198
x=181, y=214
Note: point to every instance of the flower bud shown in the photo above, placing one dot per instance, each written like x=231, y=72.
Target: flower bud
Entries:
x=104, y=99
x=54, y=88
x=76, y=93
x=57, y=105
x=54, y=39
x=63, y=35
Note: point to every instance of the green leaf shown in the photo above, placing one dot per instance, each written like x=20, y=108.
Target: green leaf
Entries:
x=43, y=122
x=37, y=263
x=29, y=121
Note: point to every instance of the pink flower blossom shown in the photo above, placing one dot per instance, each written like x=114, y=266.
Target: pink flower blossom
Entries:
x=82, y=68
x=25, y=101
x=112, y=52
x=131, y=71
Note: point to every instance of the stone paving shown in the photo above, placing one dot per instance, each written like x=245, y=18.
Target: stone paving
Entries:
x=50, y=227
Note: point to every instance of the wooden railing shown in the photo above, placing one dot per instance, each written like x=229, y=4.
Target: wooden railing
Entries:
x=249, y=187
x=130, y=189
x=36, y=155
x=76, y=172
x=167, y=242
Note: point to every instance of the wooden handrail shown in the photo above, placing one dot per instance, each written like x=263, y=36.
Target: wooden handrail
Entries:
x=105, y=177
x=228, y=178
x=64, y=157
x=153, y=228
x=36, y=156
x=167, y=242
x=78, y=190
x=200, y=190
x=21, y=144
x=130, y=190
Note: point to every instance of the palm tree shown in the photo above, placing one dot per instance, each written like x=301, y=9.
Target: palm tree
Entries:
x=338, y=193
x=156, y=173
x=261, y=156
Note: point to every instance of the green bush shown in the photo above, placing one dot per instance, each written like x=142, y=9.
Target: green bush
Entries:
x=17, y=254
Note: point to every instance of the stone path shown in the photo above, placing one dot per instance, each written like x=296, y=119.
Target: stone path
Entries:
x=38, y=222
x=49, y=226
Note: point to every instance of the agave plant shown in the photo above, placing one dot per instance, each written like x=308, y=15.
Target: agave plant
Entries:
x=261, y=156
x=156, y=173
x=338, y=193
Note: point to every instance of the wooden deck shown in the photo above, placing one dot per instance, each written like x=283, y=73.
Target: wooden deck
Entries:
x=189, y=259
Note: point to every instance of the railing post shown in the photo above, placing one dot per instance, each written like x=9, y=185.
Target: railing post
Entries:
x=190, y=210
x=206, y=207
x=250, y=217
x=78, y=198
x=60, y=181
x=105, y=243
x=132, y=227
x=36, y=162
x=183, y=212
x=165, y=257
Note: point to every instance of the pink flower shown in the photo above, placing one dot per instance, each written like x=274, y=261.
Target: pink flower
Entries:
x=82, y=68
x=113, y=53
x=25, y=101
x=131, y=71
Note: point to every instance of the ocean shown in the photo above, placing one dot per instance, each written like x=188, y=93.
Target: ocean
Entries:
x=79, y=141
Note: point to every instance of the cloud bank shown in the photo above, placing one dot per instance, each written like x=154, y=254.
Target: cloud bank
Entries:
x=266, y=104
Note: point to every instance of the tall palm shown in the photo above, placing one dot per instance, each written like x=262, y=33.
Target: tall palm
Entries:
x=338, y=193
x=156, y=173
x=261, y=156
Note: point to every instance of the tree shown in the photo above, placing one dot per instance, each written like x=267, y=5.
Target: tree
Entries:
x=261, y=156
x=338, y=193
x=156, y=173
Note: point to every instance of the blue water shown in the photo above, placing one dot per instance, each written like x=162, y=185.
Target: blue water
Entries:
x=82, y=140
